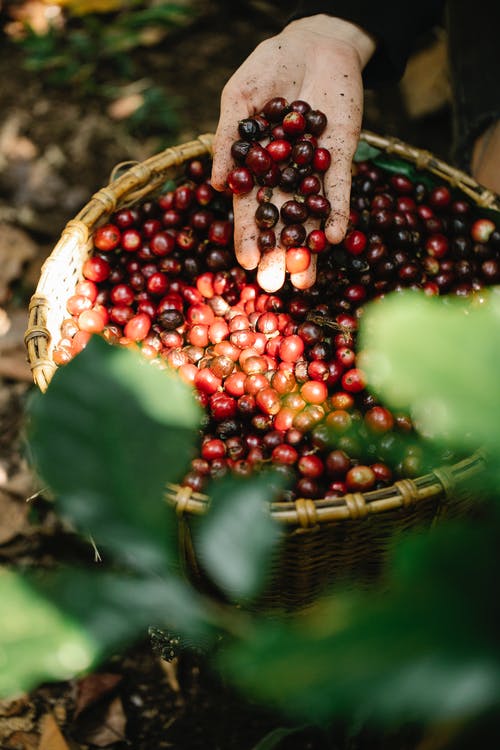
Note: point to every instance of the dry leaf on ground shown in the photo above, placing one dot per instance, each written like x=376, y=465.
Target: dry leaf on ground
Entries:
x=24, y=740
x=92, y=688
x=50, y=736
x=109, y=729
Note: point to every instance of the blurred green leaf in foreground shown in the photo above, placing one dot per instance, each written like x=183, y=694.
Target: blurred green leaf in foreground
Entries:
x=440, y=358
x=107, y=436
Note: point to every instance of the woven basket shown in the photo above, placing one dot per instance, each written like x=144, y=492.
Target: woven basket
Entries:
x=323, y=540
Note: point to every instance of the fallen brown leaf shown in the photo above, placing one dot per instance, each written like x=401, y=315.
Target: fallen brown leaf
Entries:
x=110, y=729
x=24, y=740
x=14, y=707
x=50, y=735
x=11, y=724
x=92, y=688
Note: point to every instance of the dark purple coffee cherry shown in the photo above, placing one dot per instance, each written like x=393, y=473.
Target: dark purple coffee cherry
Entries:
x=266, y=240
x=248, y=129
x=289, y=179
x=239, y=151
x=293, y=212
x=266, y=215
x=302, y=153
x=315, y=121
x=258, y=160
x=293, y=235
x=275, y=109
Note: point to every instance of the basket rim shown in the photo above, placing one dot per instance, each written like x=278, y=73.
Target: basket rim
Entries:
x=305, y=514
x=142, y=179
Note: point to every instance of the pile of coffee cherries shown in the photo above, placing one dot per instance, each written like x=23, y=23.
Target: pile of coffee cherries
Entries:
x=277, y=374
x=278, y=148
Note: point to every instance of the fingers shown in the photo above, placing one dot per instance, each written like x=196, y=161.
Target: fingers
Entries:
x=245, y=230
x=271, y=273
x=344, y=110
x=337, y=186
x=233, y=108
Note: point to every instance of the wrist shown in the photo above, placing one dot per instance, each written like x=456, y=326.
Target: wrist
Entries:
x=338, y=30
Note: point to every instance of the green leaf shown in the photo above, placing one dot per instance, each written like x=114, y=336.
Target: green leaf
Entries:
x=38, y=642
x=169, y=15
x=423, y=649
x=441, y=359
x=273, y=738
x=365, y=152
x=108, y=434
x=395, y=165
x=56, y=625
x=238, y=535
x=115, y=607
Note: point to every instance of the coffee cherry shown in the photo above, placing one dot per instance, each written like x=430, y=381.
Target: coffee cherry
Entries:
x=297, y=259
x=321, y=160
x=318, y=205
x=240, y=181
x=437, y=245
x=258, y=160
x=315, y=121
x=266, y=240
x=239, y=151
x=293, y=235
x=302, y=153
x=279, y=150
x=137, y=328
x=482, y=230
x=107, y=237
x=92, y=321
x=294, y=123
x=248, y=129
x=440, y=197
x=360, y=478
x=355, y=242
x=310, y=465
x=266, y=215
x=289, y=179
x=131, y=240
x=379, y=420
x=220, y=232
x=309, y=185
x=354, y=380
x=96, y=269
x=284, y=454
x=275, y=109
x=293, y=212
x=268, y=400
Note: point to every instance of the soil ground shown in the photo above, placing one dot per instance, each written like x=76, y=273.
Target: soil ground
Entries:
x=58, y=144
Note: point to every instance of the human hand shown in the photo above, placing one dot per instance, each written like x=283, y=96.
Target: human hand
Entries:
x=320, y=60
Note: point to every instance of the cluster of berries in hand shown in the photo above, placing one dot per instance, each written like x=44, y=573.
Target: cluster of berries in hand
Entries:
x=278, y=148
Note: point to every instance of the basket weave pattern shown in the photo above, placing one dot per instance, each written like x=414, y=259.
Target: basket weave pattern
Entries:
x=323, y=540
